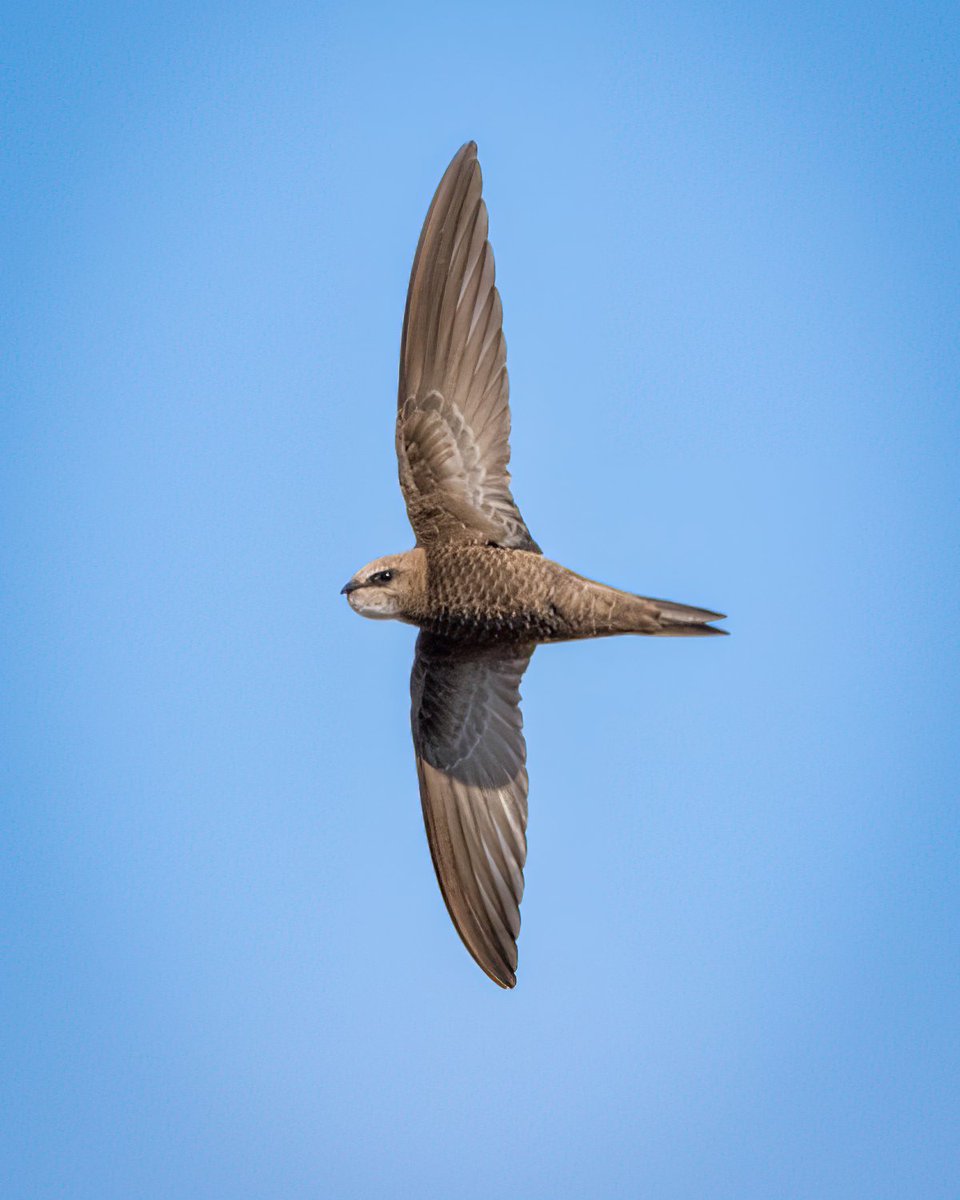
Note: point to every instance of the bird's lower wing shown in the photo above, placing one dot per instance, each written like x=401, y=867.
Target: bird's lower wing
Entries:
x=468, y=739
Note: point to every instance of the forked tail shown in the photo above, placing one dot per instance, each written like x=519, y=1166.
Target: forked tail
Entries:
x=683, y=620
x=584, y=608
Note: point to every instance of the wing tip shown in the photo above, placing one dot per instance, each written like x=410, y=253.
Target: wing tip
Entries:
x=466, y=153
x=506, y=980
x=466, y=159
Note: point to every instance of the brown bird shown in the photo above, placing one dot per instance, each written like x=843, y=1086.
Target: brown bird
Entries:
x=476, y=584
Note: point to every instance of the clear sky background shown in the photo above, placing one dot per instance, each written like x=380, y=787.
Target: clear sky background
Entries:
x=727, y=245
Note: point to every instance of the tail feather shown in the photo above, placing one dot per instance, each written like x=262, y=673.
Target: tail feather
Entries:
x=689, y=630
x=683, y=620
x=590, y=609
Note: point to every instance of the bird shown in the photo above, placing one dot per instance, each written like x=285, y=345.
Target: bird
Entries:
x=476, y=585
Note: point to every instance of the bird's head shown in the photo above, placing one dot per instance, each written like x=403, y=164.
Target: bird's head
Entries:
x=387, y=586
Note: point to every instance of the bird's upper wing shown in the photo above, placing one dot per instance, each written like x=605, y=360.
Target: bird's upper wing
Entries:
x=453, y=415
x=468, y=739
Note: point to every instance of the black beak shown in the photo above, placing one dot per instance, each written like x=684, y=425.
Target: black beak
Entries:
x=349, y=587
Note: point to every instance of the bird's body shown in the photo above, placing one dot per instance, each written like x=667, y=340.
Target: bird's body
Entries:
x=485, y=593
x=476, y=584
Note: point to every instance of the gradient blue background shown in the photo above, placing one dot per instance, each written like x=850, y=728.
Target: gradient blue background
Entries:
x=727, y=244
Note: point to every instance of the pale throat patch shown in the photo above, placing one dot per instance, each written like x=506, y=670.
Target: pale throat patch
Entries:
x=374, y=603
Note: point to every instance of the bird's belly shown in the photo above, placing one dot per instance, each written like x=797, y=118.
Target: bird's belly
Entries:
x=473, y=625
x=490, y=593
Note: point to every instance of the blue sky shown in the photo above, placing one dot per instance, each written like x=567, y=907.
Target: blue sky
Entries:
x=727, y=243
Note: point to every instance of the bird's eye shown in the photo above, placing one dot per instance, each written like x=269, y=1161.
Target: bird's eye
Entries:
x=381, y=577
